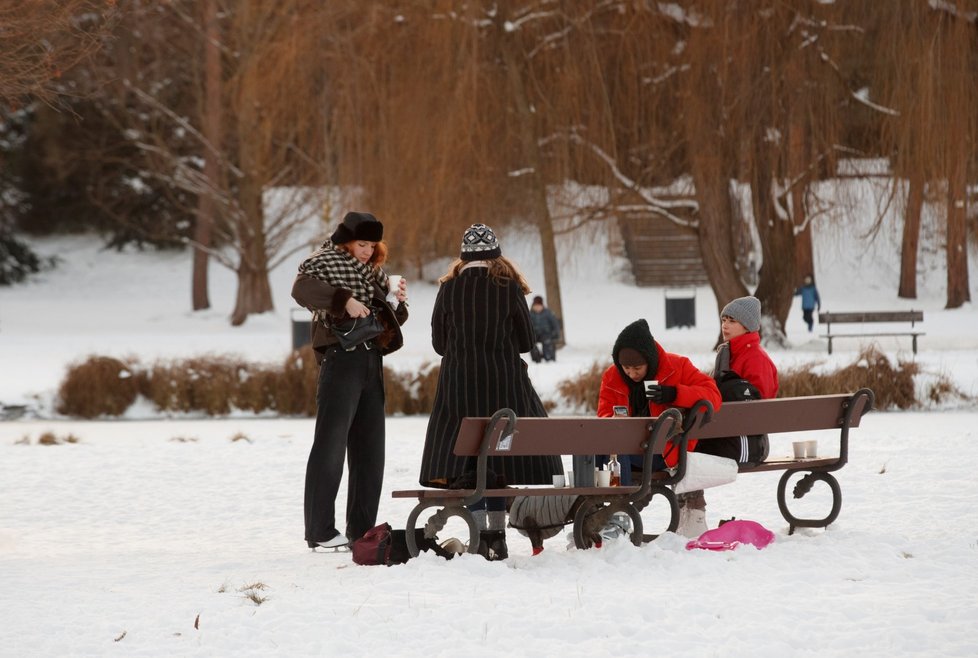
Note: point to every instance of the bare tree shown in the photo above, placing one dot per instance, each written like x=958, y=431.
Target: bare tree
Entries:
x=255, y=161
x=40, y=41
x=213, y=112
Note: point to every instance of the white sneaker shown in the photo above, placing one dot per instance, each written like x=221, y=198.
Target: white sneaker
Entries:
x=692, y=522
x=618, y=525
x=336, y=543
x=454, y=545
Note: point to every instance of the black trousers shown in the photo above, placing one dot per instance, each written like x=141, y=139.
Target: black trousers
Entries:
x=808, y=315
x=350, y=424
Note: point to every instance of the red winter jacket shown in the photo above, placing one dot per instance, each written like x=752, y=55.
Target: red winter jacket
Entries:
x=749, y=360
x=674, y=370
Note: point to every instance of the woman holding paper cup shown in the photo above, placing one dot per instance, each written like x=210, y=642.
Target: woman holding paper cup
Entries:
x=341, y=282
x=648, y=380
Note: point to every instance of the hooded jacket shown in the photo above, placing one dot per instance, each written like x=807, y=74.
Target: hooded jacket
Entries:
x=749, y=360
x=669, y=369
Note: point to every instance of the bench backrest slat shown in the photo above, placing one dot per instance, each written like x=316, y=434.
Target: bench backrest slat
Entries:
x=778, y=415
x=560, y=436
x=871, y=316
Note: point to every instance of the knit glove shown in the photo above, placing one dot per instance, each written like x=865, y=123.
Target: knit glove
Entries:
x=661, y=394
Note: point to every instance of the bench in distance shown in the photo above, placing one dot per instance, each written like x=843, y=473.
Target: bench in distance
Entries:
x=871, y=317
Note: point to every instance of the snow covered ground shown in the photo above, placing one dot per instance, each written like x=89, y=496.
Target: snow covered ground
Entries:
x=159, y=536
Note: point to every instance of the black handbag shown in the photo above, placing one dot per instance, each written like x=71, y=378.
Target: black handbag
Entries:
x=355, y=331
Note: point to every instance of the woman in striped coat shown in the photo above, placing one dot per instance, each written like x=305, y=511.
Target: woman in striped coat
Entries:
x=480, y=324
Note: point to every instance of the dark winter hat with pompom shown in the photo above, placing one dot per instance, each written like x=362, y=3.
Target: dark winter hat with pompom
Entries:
x=479, y=243
x=358, y=226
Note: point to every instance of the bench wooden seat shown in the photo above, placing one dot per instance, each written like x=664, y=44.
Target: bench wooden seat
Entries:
x=505, y=435
x=871, y=317
x=786, y=415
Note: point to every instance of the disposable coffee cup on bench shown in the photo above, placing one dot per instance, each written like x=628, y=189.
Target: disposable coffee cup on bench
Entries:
x=602, y=478
x=811, y=449
x=800, y=449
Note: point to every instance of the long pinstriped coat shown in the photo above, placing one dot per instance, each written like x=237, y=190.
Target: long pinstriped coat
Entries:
x=480, y=327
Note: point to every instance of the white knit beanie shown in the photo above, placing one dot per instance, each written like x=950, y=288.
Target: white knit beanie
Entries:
x=746, y=311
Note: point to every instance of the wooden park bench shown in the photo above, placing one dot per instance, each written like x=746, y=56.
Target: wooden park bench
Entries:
x=785, y=415
x=506, y=435
x=871, y=317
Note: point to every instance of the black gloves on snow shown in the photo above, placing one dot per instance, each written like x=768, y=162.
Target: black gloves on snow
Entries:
x=661, y=394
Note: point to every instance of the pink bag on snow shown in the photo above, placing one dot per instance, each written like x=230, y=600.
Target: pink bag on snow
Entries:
x=731, y=535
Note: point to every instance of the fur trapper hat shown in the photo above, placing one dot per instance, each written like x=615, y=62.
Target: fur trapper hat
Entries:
x=358, y=226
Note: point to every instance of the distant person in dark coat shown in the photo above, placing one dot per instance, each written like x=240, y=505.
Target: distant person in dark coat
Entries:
x=546, y=327
x=480, y=324
x=809, y=300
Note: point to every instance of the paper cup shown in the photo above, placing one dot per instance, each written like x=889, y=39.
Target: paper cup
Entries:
x=395, y=284
x=570, y=478
x=602, y=478
x=558, y=480
x=811, y=448
x=800, y=448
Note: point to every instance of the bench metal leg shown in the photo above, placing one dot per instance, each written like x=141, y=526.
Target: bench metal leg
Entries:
x=594, y=513
x=437, y=522
x=803, y=487
x=671, y=500
x=830, y=344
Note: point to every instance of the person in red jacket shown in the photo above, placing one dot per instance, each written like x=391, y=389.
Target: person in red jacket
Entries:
x=741, y=351
x=741, y=357
x=638, y=358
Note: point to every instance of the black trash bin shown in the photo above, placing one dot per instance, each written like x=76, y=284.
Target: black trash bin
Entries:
x=301, y=330
x=680, y=308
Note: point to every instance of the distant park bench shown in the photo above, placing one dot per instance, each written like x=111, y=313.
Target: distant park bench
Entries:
x=871, y=317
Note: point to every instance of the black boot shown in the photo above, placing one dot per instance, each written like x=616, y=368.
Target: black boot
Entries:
x=492, y=545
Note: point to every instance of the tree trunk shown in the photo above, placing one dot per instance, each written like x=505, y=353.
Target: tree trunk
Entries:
x=797, y=163
x=206, y=206
x=530, y=151
x=715, y=215
x=254, y=292
x=911, y=236
x=777, y=281
x=957, y=253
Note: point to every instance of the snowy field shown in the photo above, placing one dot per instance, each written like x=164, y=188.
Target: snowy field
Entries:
x=157, y=536
x=135, y=534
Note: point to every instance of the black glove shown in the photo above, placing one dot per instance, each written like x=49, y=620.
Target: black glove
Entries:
x=661, y=394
